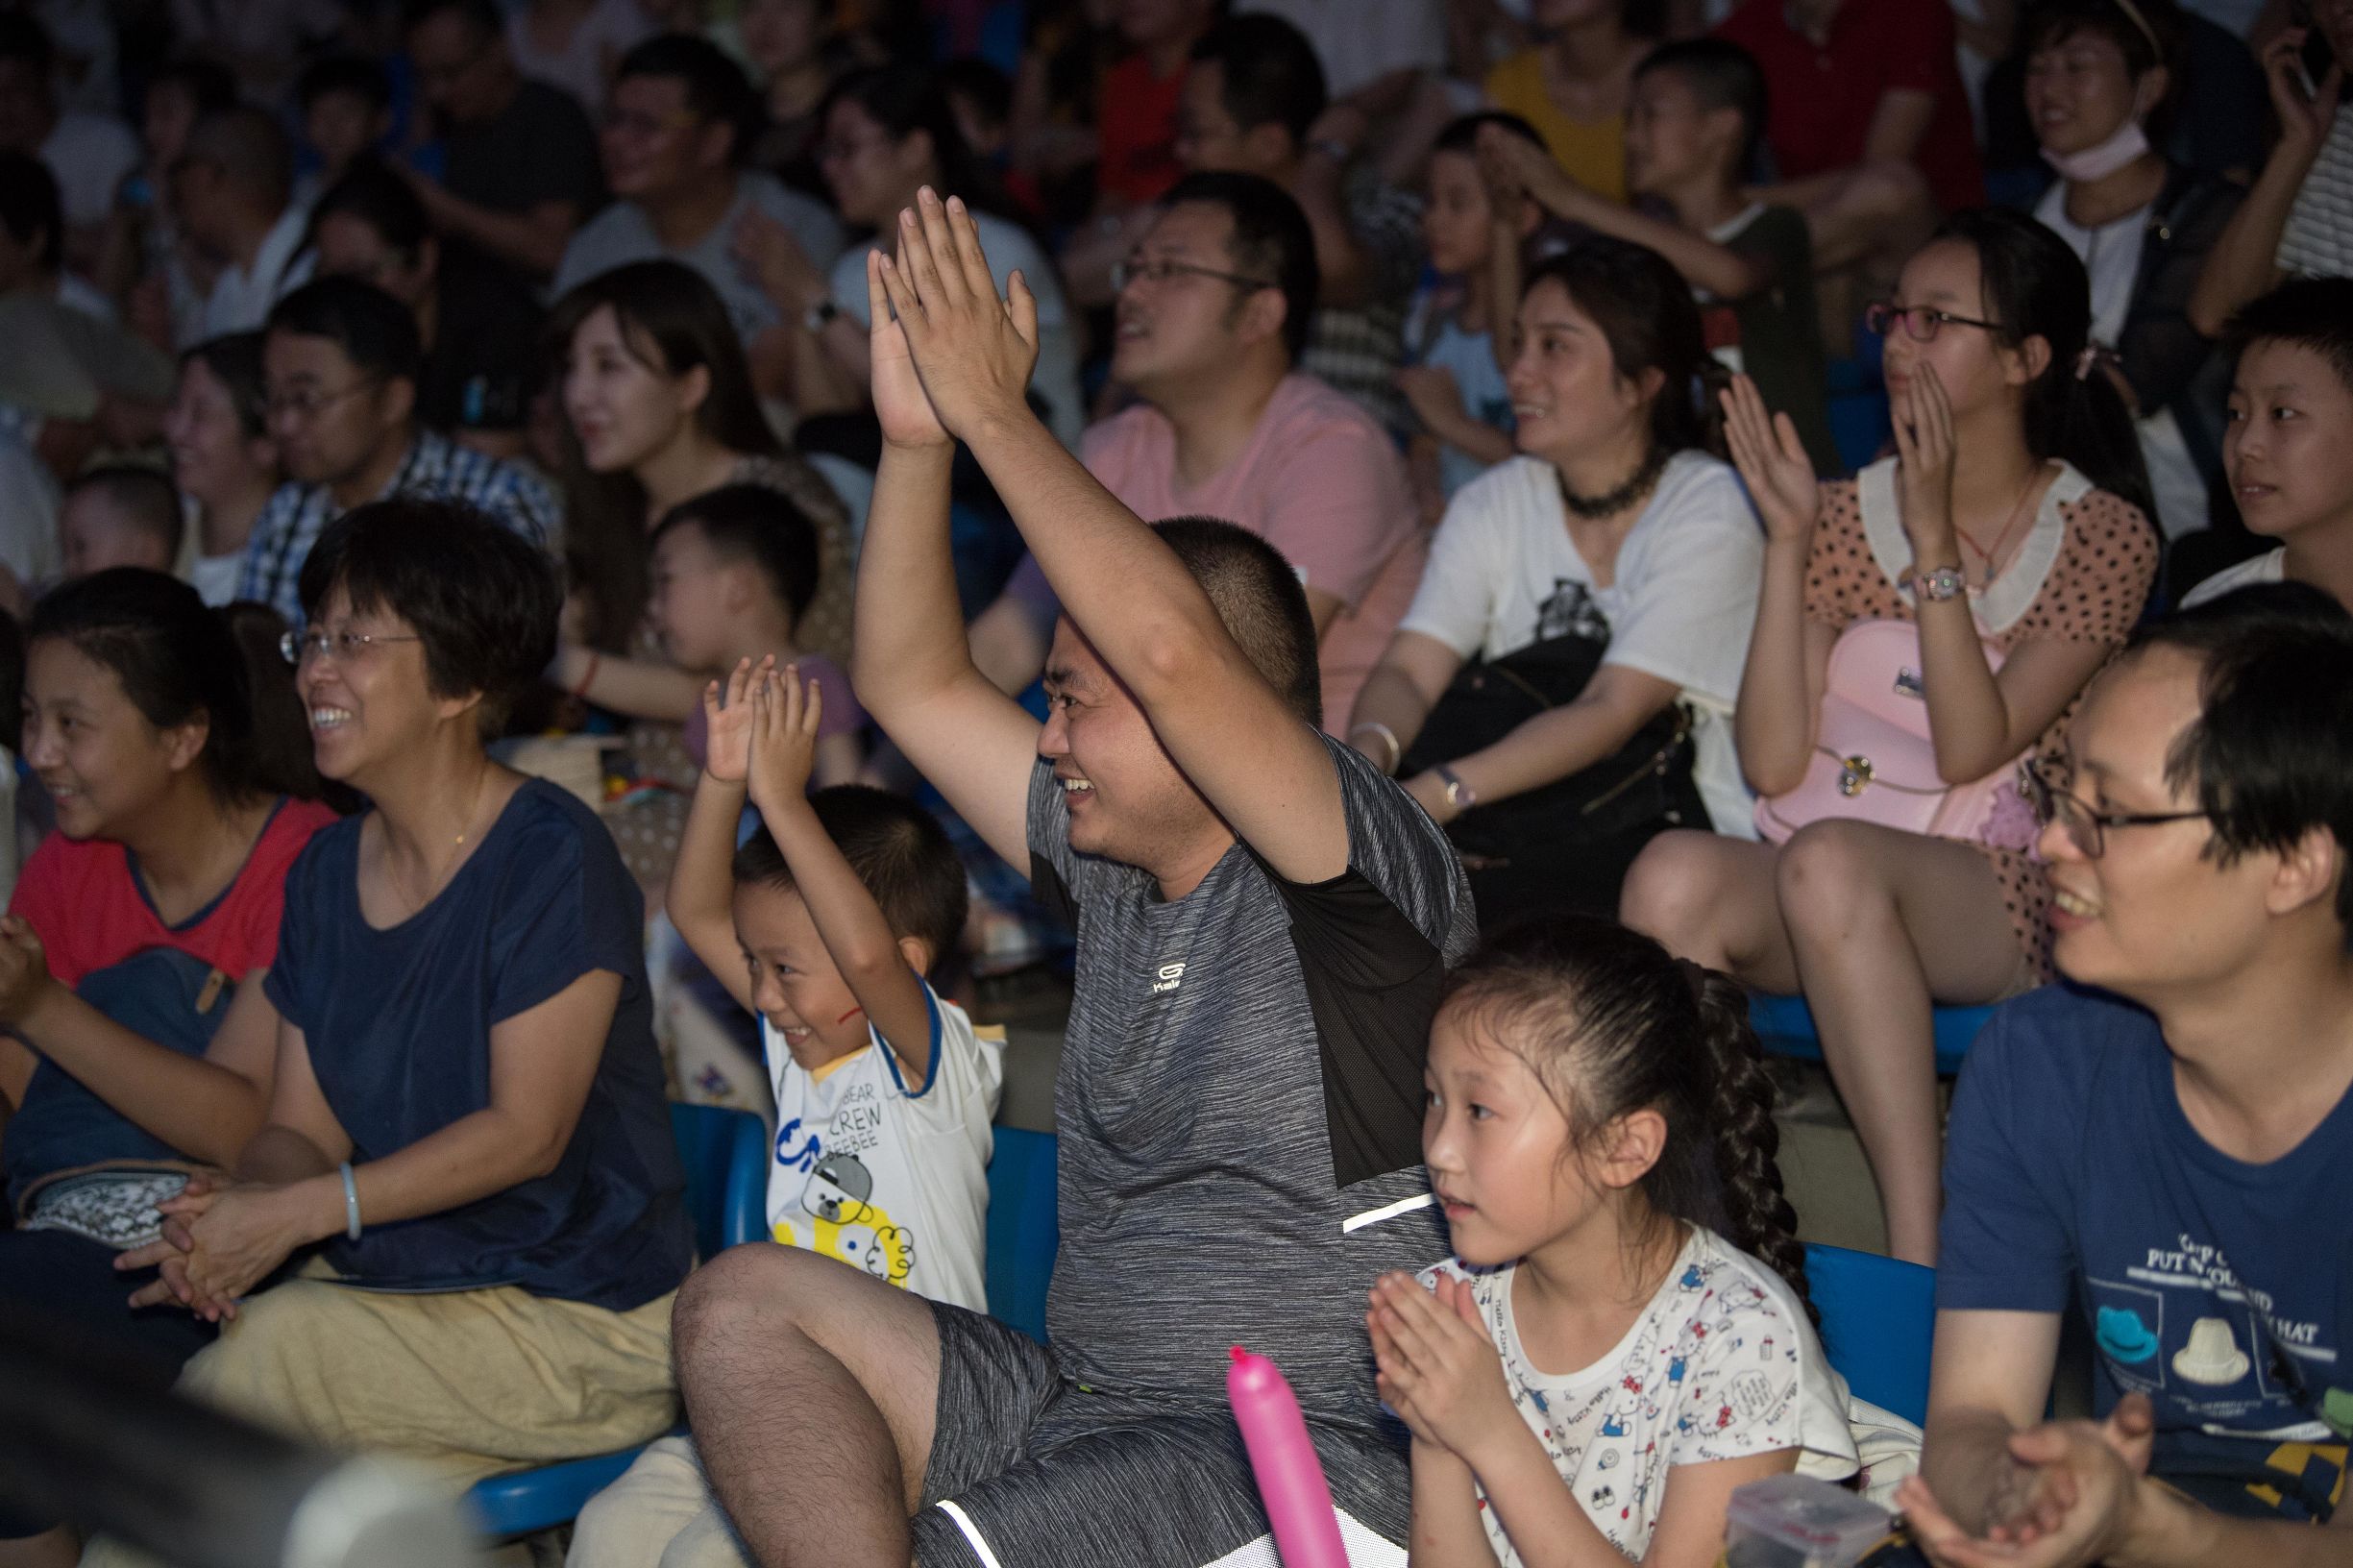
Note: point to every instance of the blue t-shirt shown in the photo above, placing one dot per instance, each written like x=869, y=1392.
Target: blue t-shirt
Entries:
x=398, y=1023
x=1434, y=336
x=2220, y=1289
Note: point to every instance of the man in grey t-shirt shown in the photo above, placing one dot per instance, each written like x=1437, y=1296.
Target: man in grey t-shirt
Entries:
x=1264, y=924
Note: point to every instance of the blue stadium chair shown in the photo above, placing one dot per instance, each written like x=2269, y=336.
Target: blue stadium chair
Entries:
x=1785, y=1025
x=1878, y=1322
x=725, y=1154
x=1023, y=1229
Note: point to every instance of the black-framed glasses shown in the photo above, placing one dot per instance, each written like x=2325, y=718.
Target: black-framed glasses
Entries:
x=1159, y=269
x=343, y=647
x=2087, y=829
x=1921, y=322
x=308, y=402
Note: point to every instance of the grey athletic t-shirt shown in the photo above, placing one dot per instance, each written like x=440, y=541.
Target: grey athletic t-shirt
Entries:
x=1240, y=1107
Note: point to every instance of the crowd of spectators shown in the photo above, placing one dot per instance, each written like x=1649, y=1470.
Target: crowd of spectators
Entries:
x=1404, y=558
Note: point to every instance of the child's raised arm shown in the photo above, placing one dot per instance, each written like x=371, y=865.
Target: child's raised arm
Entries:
x=878, y=970
x=701, y=890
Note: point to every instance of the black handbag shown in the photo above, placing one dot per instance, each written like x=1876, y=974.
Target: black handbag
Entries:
x=1563, y=846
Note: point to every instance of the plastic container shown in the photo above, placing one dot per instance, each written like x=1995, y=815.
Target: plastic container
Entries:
x=1799, y=1522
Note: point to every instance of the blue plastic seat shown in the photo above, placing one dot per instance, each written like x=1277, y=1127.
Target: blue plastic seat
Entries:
x=725, y=1155
x=1878, y=1325
x=1785, y=1025
x=1023, y=1229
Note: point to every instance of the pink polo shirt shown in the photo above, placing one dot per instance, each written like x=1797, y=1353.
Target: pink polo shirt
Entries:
x=1322, y=483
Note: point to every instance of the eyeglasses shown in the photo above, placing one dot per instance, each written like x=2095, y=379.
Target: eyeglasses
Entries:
x=306, y=401
x=343, y=647
x=1921, y=322
x=1137, y=270
x=2051, y=799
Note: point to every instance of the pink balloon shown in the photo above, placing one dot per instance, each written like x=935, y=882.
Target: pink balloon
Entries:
x=1291, y=1477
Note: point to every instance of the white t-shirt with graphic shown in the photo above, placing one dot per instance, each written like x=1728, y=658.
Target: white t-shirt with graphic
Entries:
x=1680, y=601
x=1723, y=1364
x=885, y=1177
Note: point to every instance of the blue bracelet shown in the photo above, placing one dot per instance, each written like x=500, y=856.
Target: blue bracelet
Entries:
x=351, y=1202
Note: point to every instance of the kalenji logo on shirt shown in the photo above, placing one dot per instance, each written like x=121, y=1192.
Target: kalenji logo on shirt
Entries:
x=1171, y=977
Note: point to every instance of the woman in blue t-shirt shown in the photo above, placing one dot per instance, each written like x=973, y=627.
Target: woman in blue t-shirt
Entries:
x=468, y=1112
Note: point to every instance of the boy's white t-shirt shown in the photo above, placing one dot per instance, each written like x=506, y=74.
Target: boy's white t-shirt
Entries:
x=1723, y=1364
x=1681, y=600
x=885, y=1178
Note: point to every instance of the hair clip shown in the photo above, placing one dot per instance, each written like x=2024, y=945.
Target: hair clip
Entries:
x=2084, y=360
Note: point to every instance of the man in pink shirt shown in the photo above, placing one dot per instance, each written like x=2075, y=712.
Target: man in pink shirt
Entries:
x=1213, y=310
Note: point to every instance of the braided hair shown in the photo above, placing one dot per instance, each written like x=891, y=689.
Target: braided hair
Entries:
x=1611, y=1023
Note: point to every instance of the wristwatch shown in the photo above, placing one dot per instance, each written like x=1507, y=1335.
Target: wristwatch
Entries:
x=1942, y=583
x=820, y=316
x=1459, y=795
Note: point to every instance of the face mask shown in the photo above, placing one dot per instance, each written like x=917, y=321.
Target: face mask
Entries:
x=2100, y=162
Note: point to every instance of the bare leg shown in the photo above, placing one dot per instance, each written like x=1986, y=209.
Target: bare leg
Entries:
x=805, y=1379
x=1884, y=923
x=1711, y=900
x=59, y=1548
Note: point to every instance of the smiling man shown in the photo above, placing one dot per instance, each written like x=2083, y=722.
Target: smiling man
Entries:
x=2169, y=1159
x=1264, y=926
x=340, y=364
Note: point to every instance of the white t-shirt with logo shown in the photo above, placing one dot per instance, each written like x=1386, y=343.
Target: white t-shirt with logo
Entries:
x=1682, y=599
x=1723, y=1364
x=887, y=1177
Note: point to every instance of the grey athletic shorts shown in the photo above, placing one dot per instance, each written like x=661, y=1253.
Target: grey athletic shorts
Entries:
x=1028, y=1470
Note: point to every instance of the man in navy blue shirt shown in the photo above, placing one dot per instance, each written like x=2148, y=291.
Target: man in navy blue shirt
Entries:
x=2170, y=1157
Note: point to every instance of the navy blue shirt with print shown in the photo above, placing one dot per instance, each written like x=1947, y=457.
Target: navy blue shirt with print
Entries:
x=2220, y=1289
x=397, y=1022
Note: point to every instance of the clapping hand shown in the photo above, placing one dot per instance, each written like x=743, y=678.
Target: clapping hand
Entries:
x=973, y=351
x=901, y=405
x=784, y=721
x=2072, y=1496
x=1437, y=1368
x=1925, y=452
x=1773, y=463
x=24, y=970
x=727, y=747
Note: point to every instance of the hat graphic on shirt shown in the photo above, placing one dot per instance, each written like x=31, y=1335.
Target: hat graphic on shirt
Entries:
x=2124, y=1335
x=2212, y=1357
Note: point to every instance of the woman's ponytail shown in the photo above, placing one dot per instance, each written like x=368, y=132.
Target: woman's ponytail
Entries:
x=1758, y=1215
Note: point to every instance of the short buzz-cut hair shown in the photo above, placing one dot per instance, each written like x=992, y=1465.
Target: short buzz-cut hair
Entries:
x=376, y=331
x=1272, y=240
x=2315, y=313
x=1259, y=600
x=1269, y=73
x=248, y=146
x=756, y=523
x=717, y=89
x=901, y=852
x=482, y=600
x=140, y=496
x=1721, y=75
x=2269, y=756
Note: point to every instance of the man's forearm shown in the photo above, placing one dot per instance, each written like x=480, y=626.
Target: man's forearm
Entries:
x=908, y=624
x=1966, y=1455
x=2173, y=1531
x=2244, y=261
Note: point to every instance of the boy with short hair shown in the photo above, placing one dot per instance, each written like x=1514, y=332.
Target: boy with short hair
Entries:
x=119, y=515
x=1458, y=327
x=825, y=928
x=2289, y=444
x=1695, y=117
x=733, y=572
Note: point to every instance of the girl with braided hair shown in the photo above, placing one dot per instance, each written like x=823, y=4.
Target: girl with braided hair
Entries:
x=1623, y=1336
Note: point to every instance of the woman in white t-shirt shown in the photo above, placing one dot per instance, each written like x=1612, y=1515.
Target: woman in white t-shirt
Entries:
x=1612, y=567
x=888, y=132
x=223, y=459
x=1595, y=1370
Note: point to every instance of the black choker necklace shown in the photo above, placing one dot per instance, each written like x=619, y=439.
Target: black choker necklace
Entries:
x=1611, y=501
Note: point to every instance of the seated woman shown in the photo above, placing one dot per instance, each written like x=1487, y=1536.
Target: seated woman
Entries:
x=2099, y=71
x=2011, y=531
x=466, y=1152
x=141, y=1047
x=223, y=459
x=659, y=409
x=888, y=132
x=1605, y=580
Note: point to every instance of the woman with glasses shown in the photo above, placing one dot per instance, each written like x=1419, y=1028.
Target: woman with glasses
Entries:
x=141, y=1047
x=2010, y=533
x=890, y=132
x=466, y=1161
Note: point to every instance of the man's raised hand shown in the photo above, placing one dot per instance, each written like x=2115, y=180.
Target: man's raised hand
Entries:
x=973, y=351
x=901, y=404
